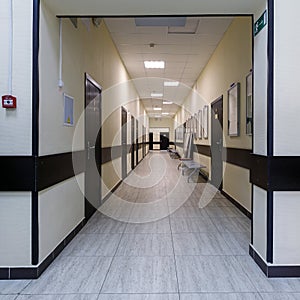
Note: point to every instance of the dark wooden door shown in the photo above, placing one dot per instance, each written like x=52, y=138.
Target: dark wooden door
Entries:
x=217, y=143
x=137, y=142
x=92, y=146
x=164, y=140
x=132, y=142
x=150, y=140
x=124, y=142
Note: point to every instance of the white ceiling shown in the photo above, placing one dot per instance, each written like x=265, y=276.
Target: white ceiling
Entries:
x=184, y=60
x=185, y=50
x=153, y=7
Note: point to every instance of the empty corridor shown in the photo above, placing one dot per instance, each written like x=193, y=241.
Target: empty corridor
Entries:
x=152, y=241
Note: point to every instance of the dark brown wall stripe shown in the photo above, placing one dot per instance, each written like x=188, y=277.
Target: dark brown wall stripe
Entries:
x=259, y=171
x=111, y=153
x=276, y=173
x=16, y=173
x=238, y=157
x=203, y=149
x=53, y=169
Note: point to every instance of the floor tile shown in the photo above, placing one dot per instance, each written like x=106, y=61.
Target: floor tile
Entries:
x=231, y=224
x=188, y=212
x=148, y=244
x=101, y=224
x=69, y=275
x=93, y=245
x=8, y=297
x=12, y=286
x=222, y=212
x=211, y=274
x=138, y=297
x=280, y=296
x=149, y=212
x=238, y=242
x=220, y=202
x=181, y=225
x=117, y=208
x=59, y=297
x=141, y=275
x=221, y=296
x=264, y=284
x=200, y=244
x=160, y=226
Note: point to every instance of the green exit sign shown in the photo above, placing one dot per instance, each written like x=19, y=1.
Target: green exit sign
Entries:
x=260, y=23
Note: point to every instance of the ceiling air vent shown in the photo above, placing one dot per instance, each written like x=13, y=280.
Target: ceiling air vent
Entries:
x=190, y=27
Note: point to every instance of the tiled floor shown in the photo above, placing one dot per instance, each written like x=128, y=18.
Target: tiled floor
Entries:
x=185, y=253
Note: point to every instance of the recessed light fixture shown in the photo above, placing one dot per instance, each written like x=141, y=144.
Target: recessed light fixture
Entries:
x=154, y=64
x=159, y=95
x=167, y=102
x=156, y=108
x=171, y=83
x=165, y=113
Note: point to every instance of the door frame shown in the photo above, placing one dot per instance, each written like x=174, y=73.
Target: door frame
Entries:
x=137, y=142
x=124, y=130
x=88, y=208
x=132, y=131
x=219, y=99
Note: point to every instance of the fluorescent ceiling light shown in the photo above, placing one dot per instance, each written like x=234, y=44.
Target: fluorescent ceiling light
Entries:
x=167, y=102
x=165, y=113
x=156, y=108
x=171, y=83
x=160, y=21
x=156, y=95
x=154, y=64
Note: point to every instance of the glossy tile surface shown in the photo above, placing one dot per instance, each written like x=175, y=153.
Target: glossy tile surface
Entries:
x=148, y=244
x=139, y=297
x=221, y=296
x=59, y=297
x=212, y=274
x=93, y=245
x=192, y=244
x=71, y=275
x=12, y=286
x=141, y=275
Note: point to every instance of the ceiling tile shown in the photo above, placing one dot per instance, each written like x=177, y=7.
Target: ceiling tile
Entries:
x=185, y=54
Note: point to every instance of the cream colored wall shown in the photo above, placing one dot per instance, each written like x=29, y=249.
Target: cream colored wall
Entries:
x=286, y=79
x=16, y=130
x=286, y=228
x=260, y=221
x=260, y=89
x=84, y=50
x=61, y=209
x=15, y=229
x=15, y=134
x=231, y=62
x=163, y=122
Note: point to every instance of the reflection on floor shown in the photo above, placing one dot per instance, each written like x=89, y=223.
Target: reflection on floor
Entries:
x=158, y=238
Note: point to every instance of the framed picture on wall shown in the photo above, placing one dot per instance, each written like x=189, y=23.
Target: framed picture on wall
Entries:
x=234, y=110
x=200, y=124
x=249, y=113
x=196, y=125
x=205, y=121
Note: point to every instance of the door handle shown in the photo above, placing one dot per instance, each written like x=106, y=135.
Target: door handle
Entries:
x=89, y=147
